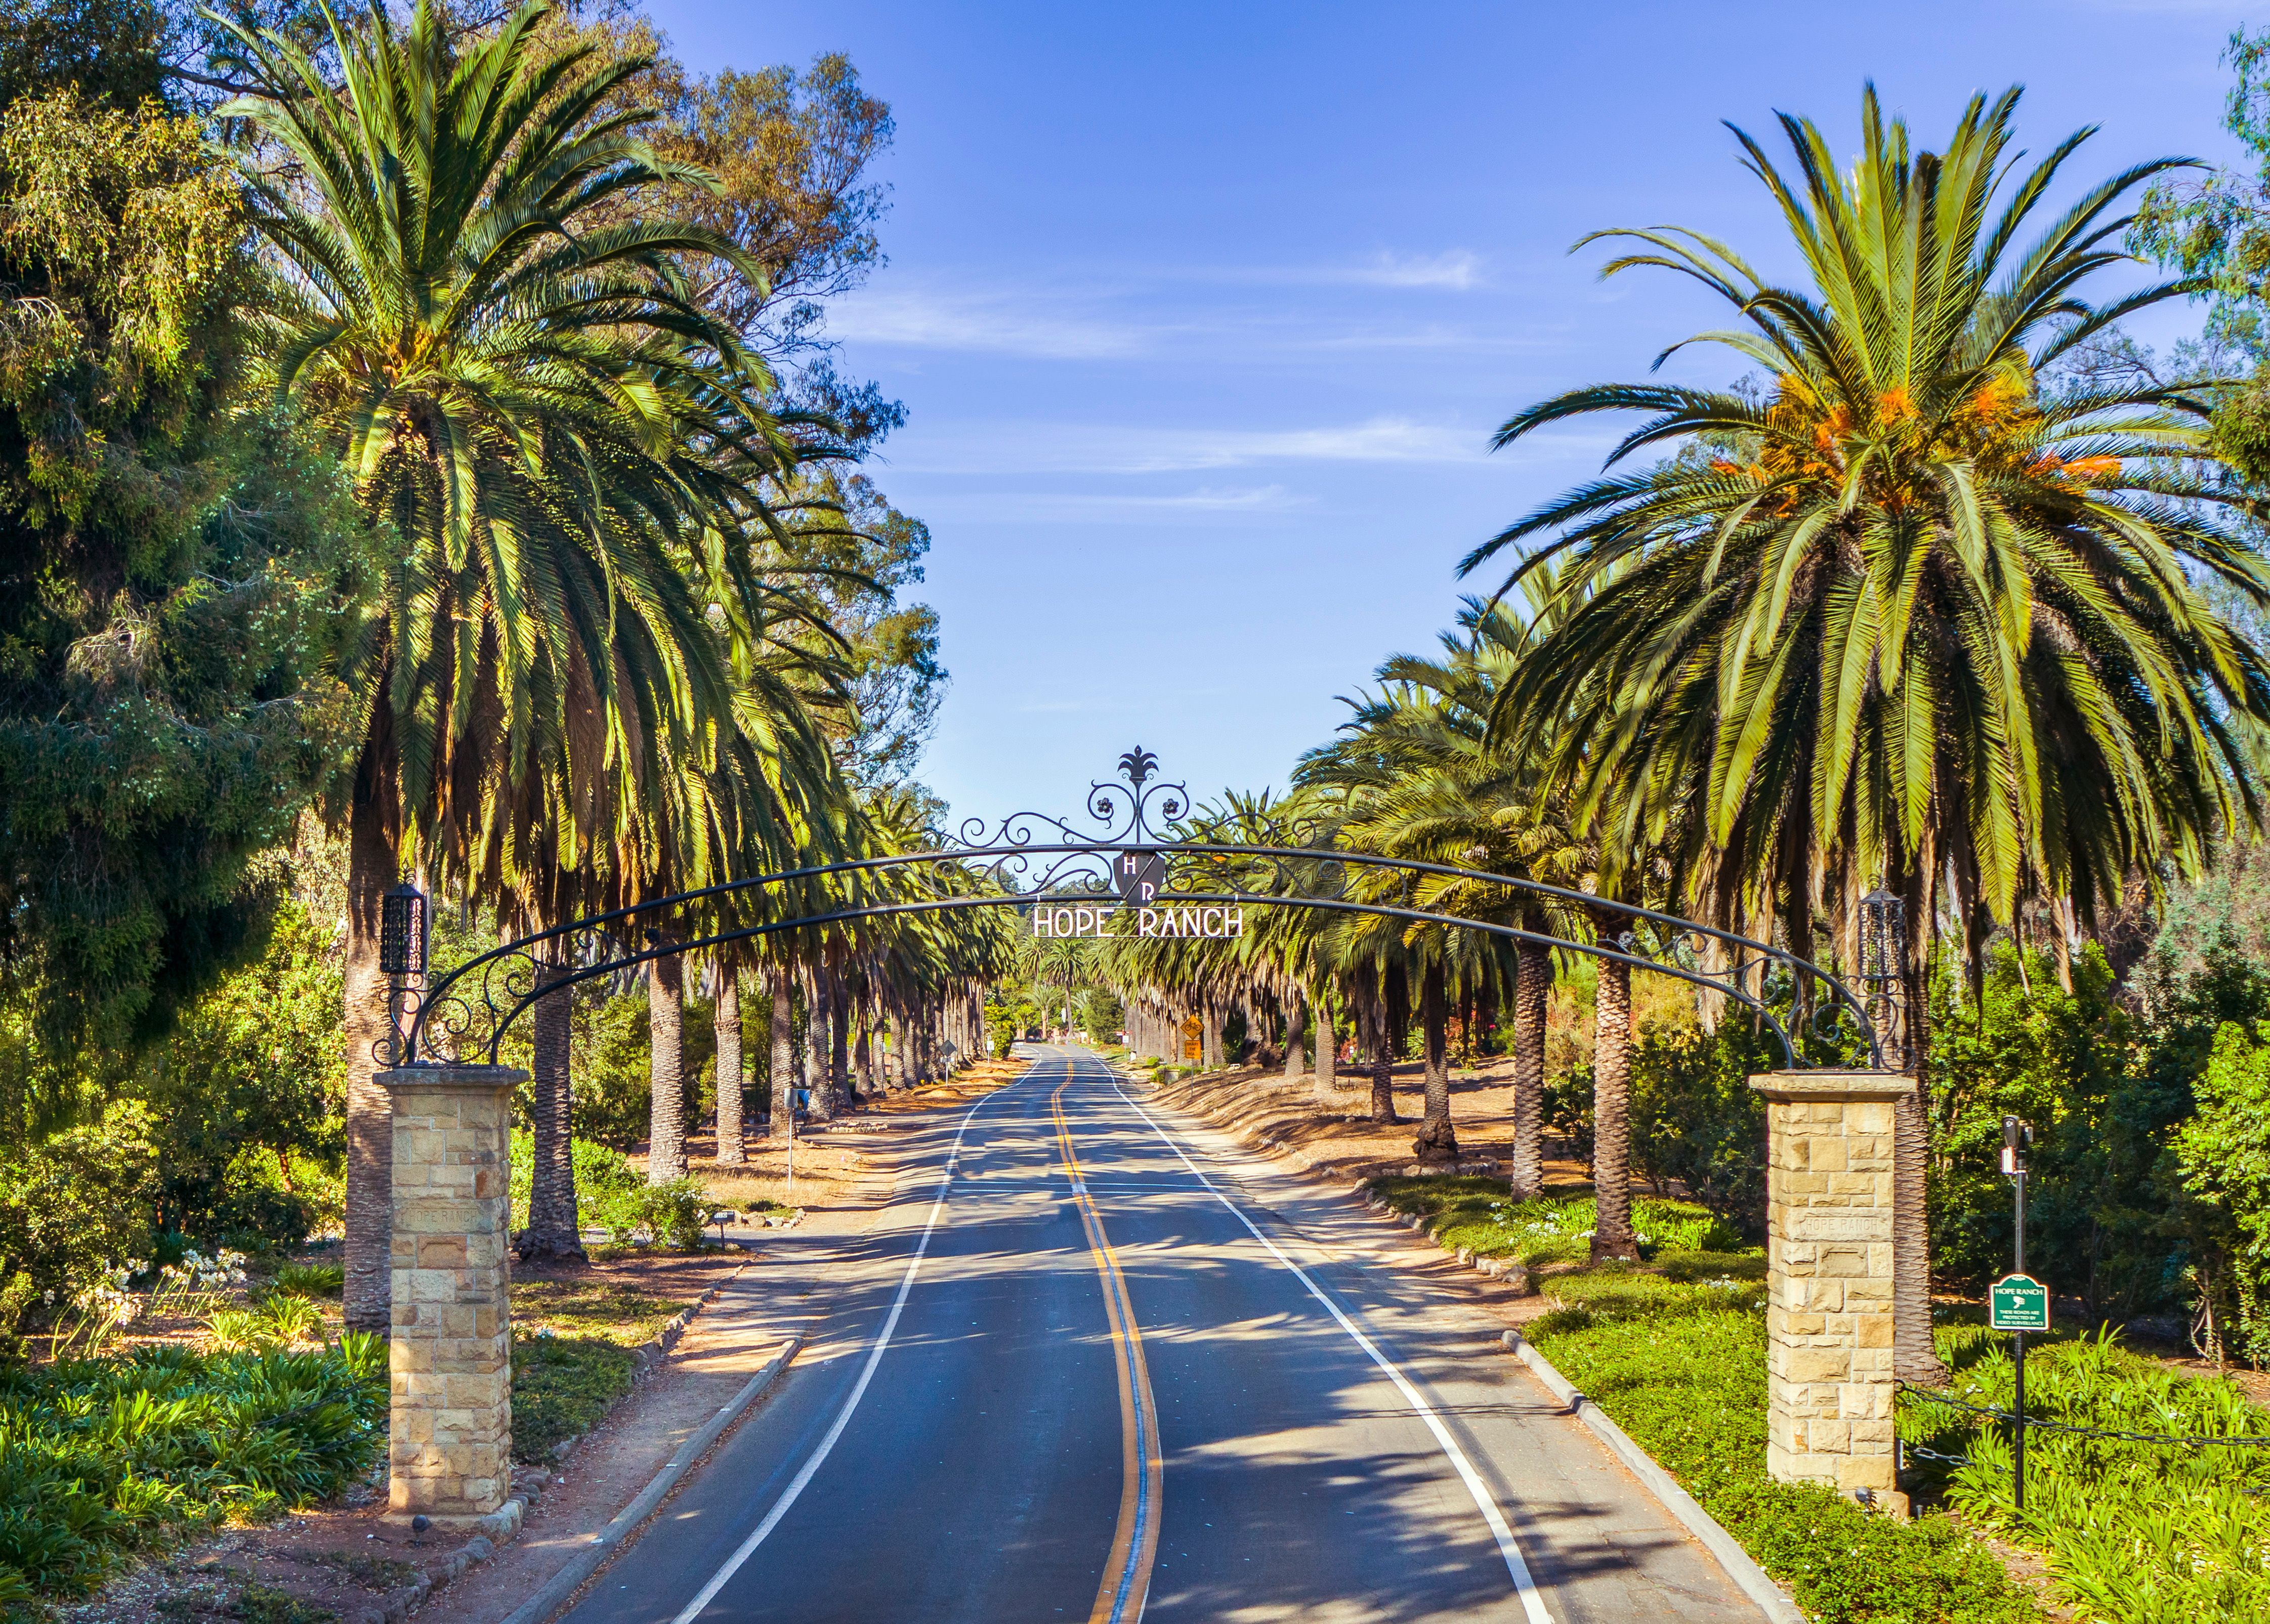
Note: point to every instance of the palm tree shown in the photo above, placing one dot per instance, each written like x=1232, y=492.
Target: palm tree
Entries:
x=1418, y=772
x=1910, y=610
x=525, y=393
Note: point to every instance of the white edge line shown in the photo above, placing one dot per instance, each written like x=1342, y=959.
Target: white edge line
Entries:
x=812, y=1462
x=598, y=1546
x=1532, y=1603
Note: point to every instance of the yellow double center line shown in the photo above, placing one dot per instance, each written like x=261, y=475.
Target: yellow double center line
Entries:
x=1127, y=1573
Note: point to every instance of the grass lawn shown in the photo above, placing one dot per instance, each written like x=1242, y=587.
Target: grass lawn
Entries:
x=1681, y=1366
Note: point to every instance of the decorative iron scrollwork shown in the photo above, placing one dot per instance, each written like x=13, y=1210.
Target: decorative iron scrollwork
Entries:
x=1028, y=858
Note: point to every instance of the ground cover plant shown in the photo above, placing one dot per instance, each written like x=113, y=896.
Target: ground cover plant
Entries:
x=1477, y=1213
x=101, y=1457
x=2140, y=1533
x=562, y=1387
x=1677, y=1357
x=575, y=1346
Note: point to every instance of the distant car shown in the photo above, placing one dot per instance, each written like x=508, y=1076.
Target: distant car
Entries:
x=1032, y=1034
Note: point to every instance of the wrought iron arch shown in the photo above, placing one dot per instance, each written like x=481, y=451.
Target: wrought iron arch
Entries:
x=1033, y=859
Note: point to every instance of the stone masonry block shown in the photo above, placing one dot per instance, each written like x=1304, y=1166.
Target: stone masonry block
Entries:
x=1830, y=1383
x=450, y=1382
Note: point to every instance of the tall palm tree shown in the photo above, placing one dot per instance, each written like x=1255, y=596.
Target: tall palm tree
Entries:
x=1418, y=772
x=1911, y=611
x=523, y=389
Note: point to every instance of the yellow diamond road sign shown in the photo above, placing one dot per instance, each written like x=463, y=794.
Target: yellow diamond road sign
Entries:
x=2019, y=1302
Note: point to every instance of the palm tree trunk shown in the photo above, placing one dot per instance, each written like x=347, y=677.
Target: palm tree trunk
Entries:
x=1532, y=992
x=1437, y=1139
x=839, y=1040
x=1383, y=1058
x=372, y=865
x=1294, y=1017
x=815, y=1046
x=783, y=1055
x=552, y=1230
x=1915, y=1357
x=730, y=1151
x=1327, y=1071
x=665, y=1030
x=1611, y=1227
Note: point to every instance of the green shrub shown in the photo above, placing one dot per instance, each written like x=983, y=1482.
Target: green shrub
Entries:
x=309, y=1279
x=76, y=1203
x=2150, y=1532
x=1696, y=1118
x=606, y=1185
x=98, y=1457
x=674, y=1214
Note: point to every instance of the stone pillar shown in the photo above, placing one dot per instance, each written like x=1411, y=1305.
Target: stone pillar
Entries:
x=1828, y=1271
x=450, y=1449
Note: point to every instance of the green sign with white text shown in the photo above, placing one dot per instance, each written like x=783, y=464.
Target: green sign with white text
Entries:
x=2019, y=1302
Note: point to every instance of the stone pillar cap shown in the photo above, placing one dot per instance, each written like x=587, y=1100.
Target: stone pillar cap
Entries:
x=1834, y=1085
x=403, y=1078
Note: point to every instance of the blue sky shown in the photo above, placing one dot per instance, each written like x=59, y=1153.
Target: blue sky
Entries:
x=1204, y=314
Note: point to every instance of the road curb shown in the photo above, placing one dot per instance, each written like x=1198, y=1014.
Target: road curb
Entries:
x=563, y=1585
x=1752, y=1580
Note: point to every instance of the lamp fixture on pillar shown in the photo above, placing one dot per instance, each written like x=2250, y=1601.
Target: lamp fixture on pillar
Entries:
x=402, y=915
x=1883, y=965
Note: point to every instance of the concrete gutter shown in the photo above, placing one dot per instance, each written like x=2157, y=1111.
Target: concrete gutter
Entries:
x=598, y=1547
x=1748, y=1577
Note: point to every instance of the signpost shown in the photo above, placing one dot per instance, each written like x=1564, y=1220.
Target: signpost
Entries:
x=2019, y=1303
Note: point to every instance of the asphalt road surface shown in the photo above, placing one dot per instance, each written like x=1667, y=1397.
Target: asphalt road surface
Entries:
x=1092, y=1365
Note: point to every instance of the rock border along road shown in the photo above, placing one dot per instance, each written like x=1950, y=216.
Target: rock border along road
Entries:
x=1093, y=1363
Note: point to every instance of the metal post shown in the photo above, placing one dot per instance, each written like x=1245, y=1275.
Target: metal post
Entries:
x=2015, y=1136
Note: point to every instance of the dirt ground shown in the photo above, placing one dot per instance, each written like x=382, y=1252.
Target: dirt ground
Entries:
x=1339, y=1140
x=829, y=1160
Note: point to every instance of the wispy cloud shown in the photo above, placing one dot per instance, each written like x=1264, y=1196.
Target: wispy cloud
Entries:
x=1099, y=448
x=1456, y=269
x=1113, y=507
x=999, y=323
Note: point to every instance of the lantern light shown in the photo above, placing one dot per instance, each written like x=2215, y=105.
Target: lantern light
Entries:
x=1883, y=936
x=402, y=932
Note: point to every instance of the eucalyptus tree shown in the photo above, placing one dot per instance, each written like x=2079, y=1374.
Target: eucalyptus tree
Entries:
x=1905, y=613
x=523, y=390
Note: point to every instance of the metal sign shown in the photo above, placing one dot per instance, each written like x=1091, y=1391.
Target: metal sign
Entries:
x=2019, y=1303
x=1140, y=876
x=1209, y=924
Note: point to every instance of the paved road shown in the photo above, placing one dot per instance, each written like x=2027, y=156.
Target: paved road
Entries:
x=1093, y=1365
